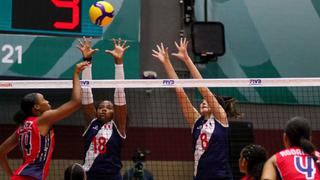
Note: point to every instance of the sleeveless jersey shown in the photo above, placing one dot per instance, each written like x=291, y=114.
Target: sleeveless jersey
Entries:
x=294, y=164
x=36, y=149
x=211, y=150
x=102, y=150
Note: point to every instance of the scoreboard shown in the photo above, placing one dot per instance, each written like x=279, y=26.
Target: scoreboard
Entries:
x=38, y=38
x=48, y=17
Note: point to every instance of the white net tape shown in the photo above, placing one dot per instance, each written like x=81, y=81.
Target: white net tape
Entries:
x=161, y=83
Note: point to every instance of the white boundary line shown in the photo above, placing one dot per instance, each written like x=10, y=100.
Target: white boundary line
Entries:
x=161, y=83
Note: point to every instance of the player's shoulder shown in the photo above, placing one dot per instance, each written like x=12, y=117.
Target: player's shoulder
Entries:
x=317, y=153
x=93, y=126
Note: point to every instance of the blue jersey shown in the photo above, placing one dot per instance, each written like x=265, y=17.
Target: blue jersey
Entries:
x=102, y=150
x=211, y=150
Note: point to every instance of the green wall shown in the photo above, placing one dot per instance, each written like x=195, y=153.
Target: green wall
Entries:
x=266, y=39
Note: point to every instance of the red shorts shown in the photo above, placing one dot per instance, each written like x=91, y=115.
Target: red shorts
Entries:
x=15, y=177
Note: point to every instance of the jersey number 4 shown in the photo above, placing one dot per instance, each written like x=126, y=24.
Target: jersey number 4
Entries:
x=25, y=142
x=305, y=165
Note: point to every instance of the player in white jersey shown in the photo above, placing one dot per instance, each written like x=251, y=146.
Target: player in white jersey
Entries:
x=209, y=126
x=106, y=127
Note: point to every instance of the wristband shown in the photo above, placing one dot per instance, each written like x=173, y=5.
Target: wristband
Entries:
x=87, y=58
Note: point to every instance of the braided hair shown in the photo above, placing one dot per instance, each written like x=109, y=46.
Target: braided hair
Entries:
x=298, y=131
x=256, y=156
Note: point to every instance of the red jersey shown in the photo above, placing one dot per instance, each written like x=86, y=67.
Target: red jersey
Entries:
x=36, y=149
x=294, y=164
x=247, y=178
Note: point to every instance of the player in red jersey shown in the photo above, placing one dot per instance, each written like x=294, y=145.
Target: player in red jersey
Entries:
x=35, y=135
x=251, y=161
x=299, y=161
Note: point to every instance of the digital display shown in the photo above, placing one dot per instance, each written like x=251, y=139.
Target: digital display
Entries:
x=38, y=38
x=49, y=17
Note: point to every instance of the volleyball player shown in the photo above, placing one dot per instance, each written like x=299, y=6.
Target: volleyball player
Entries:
x=106, y=127
x=299, y=160
x=35, y=134
x=209, y=126
x=251, y=161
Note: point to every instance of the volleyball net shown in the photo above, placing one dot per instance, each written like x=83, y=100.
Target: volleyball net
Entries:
x=156, y=125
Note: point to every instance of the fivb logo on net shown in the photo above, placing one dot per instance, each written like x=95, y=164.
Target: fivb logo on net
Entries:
x=84, y=83
x=255, y=82
x=168, y=82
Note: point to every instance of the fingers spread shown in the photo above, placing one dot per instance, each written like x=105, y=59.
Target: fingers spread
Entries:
x=162, y=47
x=159, y=49
x=79, y=47
x=155, y=52
x=126, y=47
x=124, y=43
x=108, y=51
x=175, y=43
x=80, y=42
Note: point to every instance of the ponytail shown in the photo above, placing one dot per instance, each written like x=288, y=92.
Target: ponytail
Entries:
x=310, y=149
x=26, y=106
x=228, y=103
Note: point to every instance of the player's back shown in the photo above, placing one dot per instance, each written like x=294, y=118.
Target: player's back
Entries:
x=36, y=149
x=294, y=164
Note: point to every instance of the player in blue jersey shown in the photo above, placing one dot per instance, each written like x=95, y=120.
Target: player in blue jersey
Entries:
x=209, y=126
x=106, y=125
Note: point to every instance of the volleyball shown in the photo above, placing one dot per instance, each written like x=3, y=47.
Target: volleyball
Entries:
x=101, y=13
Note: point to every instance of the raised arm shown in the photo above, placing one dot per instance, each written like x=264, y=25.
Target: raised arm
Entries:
x=120, y=107
x=190, y=113
x=89, y=109
x=8, y=145
x=50, y=117
x=216, y=108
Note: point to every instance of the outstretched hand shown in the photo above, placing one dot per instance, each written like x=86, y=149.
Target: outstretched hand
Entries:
x=119, y=49
x=81, y=66
x=182, y=49
x=162, y=53
x=85, y=47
